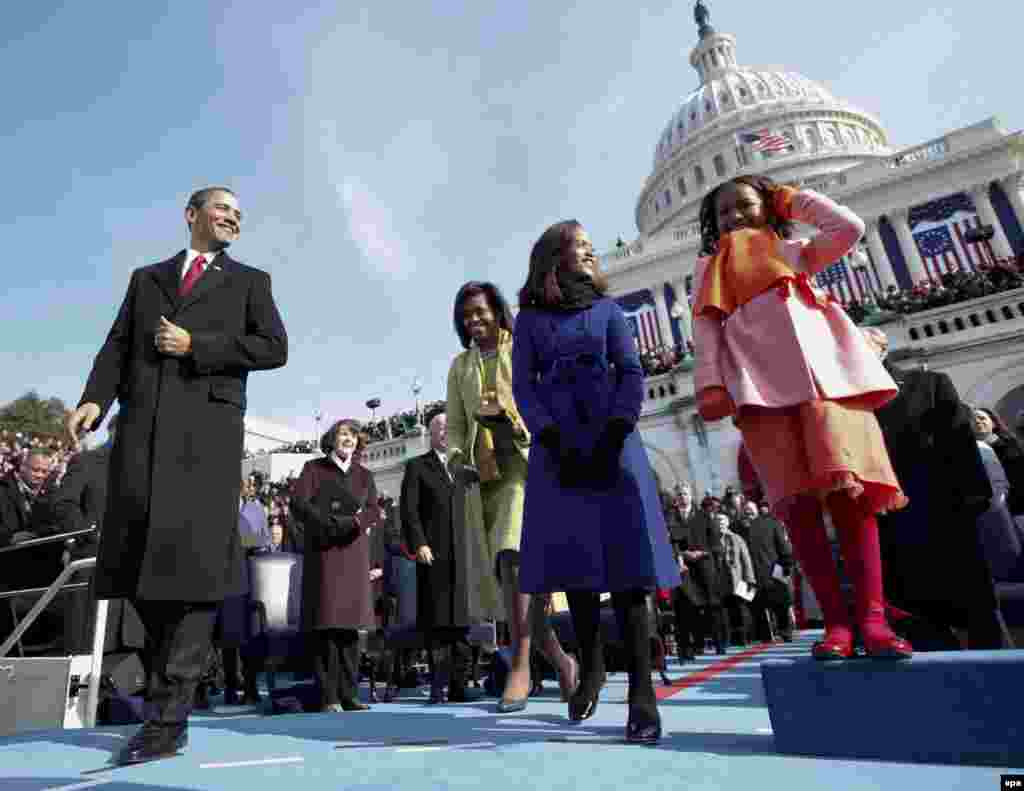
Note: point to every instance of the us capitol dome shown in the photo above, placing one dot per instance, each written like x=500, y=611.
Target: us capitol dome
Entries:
x=728, y=125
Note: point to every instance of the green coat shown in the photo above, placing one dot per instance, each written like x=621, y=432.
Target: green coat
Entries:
x=465, y=389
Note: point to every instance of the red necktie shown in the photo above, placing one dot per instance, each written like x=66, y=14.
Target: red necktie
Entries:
x=195, y=271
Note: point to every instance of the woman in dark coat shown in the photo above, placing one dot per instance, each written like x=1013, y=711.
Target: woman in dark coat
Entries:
x=592, y=516
x=991, y=429
x=335, y=498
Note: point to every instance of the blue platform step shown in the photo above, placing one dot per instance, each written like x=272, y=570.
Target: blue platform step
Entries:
x=951, y=707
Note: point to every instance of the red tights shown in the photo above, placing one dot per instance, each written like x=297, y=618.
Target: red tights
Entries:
x=857, y=531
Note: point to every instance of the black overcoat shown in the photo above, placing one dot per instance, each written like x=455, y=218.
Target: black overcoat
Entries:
x=701, y=584
x=79, y=503
x=431, y=516
x=171, y=526
x=932, y=559
x=768, y=545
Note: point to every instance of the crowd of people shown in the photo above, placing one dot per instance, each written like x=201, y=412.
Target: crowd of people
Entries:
x=955, y=286
x=401, y=424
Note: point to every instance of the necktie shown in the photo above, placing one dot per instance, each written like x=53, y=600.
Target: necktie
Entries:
x=195, y=271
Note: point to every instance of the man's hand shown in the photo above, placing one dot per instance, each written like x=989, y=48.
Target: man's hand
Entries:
x=693, y=555
x=82, y=419
x=425, y=556
x=172, y=339
x=376, y=574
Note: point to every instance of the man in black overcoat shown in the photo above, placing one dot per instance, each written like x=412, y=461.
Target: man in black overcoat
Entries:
x=437, y=536
x=177, y=358
x=932, y=559
x=697, y=601
x=771, y=555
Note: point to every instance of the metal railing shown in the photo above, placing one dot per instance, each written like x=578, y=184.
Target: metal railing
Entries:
x=46, y=595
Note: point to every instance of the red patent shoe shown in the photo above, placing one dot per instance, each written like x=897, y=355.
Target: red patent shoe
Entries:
x=883, y=643
x=838, y=644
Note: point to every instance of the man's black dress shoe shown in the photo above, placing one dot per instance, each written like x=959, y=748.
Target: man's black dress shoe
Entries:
x=152, y=742
x=354, y=705
x=457, y=693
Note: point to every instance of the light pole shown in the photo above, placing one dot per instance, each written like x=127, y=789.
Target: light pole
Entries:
x=317, y=417
x=417, y=388
x=372, y=405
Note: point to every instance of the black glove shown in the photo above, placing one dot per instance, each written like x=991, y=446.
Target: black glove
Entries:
x=463, y=473
x=569, y=462
x=606, y=460
x=343, y=531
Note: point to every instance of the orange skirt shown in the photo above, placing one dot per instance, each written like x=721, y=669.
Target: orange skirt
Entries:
x=820, y=447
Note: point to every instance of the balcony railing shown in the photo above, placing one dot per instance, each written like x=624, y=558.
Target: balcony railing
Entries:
x=963, y=322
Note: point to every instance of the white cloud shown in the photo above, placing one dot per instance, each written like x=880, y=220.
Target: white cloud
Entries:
x=371, y=226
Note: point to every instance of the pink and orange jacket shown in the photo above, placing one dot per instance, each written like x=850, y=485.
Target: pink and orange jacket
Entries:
x=790, y=343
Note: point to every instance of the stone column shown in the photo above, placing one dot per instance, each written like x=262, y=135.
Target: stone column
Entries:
x=880, y=258
x=1013, y=186
x=660, y=308
x=987, y=214
x=916, y=267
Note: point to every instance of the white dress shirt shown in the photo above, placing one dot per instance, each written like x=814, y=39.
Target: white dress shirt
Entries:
x=443, y=458
x=191, y=256
x=341, y=464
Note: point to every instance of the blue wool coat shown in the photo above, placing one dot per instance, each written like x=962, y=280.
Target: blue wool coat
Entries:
x=577, y=370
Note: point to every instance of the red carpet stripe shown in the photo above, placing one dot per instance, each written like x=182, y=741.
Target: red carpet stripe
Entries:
x=710, y=671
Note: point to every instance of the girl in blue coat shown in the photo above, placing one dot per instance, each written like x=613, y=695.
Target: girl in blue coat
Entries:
x=592, y=517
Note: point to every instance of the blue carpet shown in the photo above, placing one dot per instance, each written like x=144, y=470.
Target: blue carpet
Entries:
x=717, y=736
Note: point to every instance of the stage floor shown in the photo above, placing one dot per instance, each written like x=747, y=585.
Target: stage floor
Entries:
x=717, y=736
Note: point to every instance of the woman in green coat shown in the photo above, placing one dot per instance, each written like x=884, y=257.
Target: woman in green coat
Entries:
x=488, y=443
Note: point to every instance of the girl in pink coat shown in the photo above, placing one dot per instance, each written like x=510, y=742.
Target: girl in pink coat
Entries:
x=787, y=363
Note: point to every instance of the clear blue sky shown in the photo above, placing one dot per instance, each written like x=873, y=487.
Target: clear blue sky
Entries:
x=384, y=155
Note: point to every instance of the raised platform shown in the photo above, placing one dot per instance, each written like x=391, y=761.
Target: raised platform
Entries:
x=717, y=736
x=959, y=707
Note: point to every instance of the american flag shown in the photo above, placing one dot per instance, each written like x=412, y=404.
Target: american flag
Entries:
x=765, y=141
x=836, y=280
x=939, y=228
x=644, y=324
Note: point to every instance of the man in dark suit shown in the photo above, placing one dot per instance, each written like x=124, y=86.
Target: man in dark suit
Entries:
x=437, y=536
x=771, y=555
x=188, y=333
x=26, y=512
x=698, y=601
x=932, y=558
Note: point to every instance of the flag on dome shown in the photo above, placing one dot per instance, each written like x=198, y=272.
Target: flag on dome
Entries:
x=765, y=141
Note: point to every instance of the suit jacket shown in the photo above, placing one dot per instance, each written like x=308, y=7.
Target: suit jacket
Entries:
x=769, y=544
x=171, y=527
x=701, y=584
x=447, y=592
x=930, y=439
x=15, y=513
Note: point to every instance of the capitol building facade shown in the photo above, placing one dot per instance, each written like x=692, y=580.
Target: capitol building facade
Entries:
x=952, y=203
